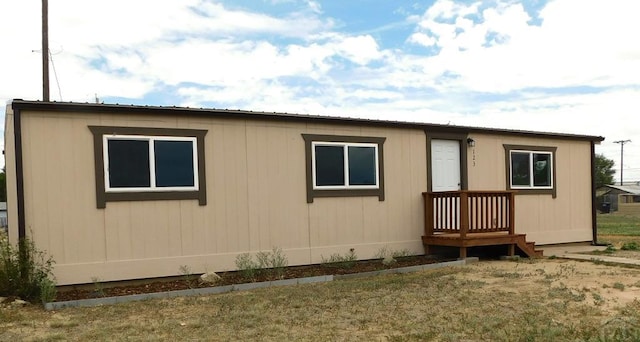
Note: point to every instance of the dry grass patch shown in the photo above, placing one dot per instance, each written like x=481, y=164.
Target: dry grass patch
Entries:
x=543, y=300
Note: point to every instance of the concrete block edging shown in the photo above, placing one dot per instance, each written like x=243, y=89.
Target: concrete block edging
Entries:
x=246, y=286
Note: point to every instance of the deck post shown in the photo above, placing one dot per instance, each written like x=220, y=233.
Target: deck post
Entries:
x=463, y=252
x=512, y=212
x=428, y=213
x=464, y=214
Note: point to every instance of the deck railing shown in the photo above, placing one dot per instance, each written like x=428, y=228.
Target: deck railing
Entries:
x=464, y=212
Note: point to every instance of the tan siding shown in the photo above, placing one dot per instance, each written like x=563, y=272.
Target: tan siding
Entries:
x=566, y=218
x=256, y=187
x=256, y=198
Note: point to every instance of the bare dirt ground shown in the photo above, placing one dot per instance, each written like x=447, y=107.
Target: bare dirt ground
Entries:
x=602, y=285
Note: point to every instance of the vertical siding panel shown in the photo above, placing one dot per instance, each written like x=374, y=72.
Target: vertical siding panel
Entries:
x=174, y=237
x=118, y=232
x=139, y=217
x=219, y=236
x=85, y=216
x=254, y=159
x=34, y=161
x=418, y=179
x=235, y=188
x=189, y=239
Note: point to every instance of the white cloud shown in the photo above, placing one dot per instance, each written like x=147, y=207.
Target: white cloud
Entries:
x=485, y=65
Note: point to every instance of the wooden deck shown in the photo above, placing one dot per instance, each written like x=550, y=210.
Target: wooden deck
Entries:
x=473, y=218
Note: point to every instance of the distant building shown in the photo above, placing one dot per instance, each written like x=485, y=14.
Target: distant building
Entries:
x=610, y=195
x=3, y=215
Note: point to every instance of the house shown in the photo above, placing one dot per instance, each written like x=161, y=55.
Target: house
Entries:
x=624, y=199
x=119, y=192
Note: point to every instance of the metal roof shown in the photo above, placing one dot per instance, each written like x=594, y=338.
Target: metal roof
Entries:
x=19, y=104
x=631, y=189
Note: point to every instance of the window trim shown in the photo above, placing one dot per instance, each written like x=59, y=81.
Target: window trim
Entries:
x=531, y=150
x=152, y=168
x=104, y=194
x=313, y=191
x=345, y=150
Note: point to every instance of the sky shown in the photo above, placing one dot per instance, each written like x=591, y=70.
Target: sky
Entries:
x=568, y=66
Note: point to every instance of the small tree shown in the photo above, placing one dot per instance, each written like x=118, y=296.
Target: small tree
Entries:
x=604, y=170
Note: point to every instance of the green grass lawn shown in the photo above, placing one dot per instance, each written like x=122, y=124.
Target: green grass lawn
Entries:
x=612, y=224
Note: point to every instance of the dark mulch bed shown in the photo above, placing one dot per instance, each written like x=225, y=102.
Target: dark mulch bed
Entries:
x=236, y=277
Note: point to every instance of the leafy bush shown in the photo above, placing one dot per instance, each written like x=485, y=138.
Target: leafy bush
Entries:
x=25, y=271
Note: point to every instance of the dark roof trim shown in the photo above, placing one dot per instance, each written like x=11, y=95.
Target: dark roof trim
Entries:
x=244, y=114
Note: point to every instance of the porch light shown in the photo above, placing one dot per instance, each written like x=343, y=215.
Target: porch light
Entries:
x=471, y=142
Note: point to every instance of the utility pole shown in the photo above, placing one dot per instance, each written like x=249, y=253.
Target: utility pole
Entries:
x=45, y=50
x=622, y=142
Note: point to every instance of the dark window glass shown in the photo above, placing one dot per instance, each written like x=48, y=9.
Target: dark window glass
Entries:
x=128, y=163
x=362, y=165
x=541, y=169
x=520, y=169
x=329, y=165
x=174, y=163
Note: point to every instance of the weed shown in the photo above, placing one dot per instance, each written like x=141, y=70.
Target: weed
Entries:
x=247, y=266
x=25, y=271
x=341, y=261
x=187, y=275
x=98, y=287
x=597, y=298
x=279, y=261
x=610, y=249
x=273, y=262
x=618, y=286
x=386, y=252
x=47, y=290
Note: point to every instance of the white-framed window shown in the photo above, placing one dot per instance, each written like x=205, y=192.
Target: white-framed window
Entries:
x=140, y=163
x=340, y=166
x=344, y=166
x=531, y=169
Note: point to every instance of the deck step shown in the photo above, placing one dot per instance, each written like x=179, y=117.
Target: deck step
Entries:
x=529, y=247
x=482, y=239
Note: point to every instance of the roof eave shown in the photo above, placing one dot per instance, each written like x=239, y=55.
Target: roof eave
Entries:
x=244, y=114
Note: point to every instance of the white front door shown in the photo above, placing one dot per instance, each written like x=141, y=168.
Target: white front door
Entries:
x=445, y=165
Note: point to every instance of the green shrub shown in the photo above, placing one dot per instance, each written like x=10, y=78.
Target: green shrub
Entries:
x=341, y=261
x=272, y=263
x=25, y=271
x=278, y=262
x=387, y=253
x=248, y=268
x=630, y=246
